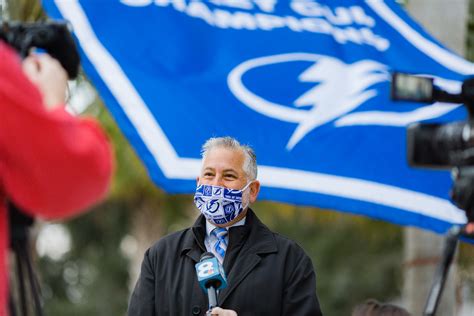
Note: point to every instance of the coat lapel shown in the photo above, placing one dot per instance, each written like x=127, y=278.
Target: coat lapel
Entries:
x=260, y=241
x=193, y=244
x=241, y=271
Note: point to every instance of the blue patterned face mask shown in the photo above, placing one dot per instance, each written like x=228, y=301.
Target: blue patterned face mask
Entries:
x=218, y=204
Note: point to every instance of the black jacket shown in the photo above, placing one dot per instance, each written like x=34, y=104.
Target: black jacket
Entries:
x=267, y=274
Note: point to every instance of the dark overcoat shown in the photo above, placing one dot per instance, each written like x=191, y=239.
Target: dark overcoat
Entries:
x=267, y=274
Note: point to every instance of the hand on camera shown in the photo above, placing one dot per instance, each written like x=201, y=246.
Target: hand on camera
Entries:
x=49, y=76
x=470, y=228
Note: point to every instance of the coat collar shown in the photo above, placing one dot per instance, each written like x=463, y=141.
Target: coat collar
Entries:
x=250, y=241
x=262, y=238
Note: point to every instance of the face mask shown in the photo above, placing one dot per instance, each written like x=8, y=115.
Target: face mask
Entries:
x=218, y=204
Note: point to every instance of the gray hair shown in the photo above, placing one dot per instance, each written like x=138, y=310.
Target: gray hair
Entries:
x=250, y=164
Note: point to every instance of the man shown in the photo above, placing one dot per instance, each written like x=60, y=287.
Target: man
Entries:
x=52, y=165
x=267, y=274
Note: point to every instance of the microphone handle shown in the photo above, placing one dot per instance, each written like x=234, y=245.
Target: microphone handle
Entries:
x=212, y=296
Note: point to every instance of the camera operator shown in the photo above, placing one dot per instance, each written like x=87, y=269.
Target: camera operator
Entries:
x=52, y=165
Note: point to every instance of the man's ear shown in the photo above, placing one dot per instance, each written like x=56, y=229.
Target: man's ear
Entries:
x=254, y=190
x=197, y=180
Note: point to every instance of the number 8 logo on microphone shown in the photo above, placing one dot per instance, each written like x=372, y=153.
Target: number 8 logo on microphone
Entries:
x=206, y=269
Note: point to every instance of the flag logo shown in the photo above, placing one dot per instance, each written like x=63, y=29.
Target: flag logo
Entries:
x=338, y=89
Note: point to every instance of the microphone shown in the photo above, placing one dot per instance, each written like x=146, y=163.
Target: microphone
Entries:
x=211, y=277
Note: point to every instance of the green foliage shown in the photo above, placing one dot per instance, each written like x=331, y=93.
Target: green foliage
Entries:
x=91, y=278
x=24, y=10
x=466, y=266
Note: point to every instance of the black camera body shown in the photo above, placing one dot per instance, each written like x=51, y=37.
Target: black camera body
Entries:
x=437, y=145
x=441, y=146
x=51, y=36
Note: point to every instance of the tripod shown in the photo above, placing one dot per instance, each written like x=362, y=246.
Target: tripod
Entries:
x=449, y=250
x=26, y=277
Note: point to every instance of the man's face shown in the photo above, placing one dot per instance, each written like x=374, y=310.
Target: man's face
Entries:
x=224, y=167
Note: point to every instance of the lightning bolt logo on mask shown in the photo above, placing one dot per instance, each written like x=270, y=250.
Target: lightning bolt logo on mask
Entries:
x=339, y=89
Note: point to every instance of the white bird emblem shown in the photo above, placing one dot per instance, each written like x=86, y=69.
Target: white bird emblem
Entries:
x=341, y=88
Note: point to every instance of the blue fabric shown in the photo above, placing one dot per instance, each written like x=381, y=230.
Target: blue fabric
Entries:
x=220, y=245
x=218, y=204
x=305, y=83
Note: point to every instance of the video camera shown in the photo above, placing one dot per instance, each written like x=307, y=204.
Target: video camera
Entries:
x=448, y=145
x=54, y=37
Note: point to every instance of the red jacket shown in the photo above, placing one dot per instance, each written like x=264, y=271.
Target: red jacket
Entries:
x=52, y=164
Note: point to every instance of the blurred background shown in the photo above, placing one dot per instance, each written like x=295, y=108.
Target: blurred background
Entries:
x=89, y=265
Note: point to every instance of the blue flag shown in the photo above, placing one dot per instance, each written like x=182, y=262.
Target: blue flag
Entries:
x=305, y=83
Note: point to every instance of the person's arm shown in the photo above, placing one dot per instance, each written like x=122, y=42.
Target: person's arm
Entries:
x=142, y=302
x=52, y=164
x=299, y=297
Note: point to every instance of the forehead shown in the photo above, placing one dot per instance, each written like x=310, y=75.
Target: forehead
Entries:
x=224, y=158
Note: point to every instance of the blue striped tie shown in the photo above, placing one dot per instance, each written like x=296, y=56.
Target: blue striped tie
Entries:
x=221, y=244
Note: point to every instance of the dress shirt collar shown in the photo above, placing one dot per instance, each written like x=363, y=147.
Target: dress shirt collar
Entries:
x=210, y=227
